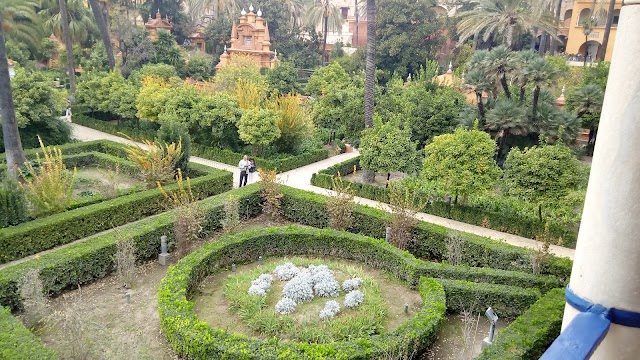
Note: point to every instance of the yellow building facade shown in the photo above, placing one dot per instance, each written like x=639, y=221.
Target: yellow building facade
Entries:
x=571, y=27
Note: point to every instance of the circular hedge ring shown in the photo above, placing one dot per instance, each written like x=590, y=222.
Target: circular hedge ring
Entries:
x=192, y=338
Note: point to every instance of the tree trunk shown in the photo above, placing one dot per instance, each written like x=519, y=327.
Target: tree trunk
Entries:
x=543, y=44
x=480, y=107
x=523, y=92
x=534, y=38
x=607, y=31
x=325, y=27
x=509, y=37
x=476, y=35
x=540, y=212
x=554, y=42
x=357, y=16
x=505, y=86
x=104, y=31
x=586, y=50
x=66, y=35
x=10, y=134
x=536, y=96
x=369, y=83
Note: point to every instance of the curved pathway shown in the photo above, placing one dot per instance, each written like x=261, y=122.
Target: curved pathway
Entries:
x=300, y=178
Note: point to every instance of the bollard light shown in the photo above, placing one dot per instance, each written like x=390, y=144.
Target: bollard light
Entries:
x=491, y=315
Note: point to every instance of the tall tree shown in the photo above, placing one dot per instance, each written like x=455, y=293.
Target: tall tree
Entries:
x=554, y=43
x=15, y=16
x=370, y=69
x=607, y=30
x=103, y=26
x=66, y=35
x=539, y=72
x=506, y=18
x=328, y=13
x=81, y=23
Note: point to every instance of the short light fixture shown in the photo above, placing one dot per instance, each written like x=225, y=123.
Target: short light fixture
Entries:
x=493, y=317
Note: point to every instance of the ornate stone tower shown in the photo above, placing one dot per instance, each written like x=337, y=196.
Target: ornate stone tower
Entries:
x=153, y=25
x=250, y=37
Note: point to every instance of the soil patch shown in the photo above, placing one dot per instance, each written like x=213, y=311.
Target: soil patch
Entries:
x=380, y=179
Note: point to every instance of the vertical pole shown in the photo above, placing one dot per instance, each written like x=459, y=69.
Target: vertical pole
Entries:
x=605, y=270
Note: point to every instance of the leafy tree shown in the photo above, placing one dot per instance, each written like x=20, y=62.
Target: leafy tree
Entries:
x=301, y=46
x=293, y=121
x=97, y=60
x=408, y=32
x=327, y=78
x=283, y=79
x=341, y=109
x=153, y=94
x=597, y=74
x=462, y=163
x=541, y=174
x=161, y=71
x=217, y=36
x=167, y=50
x=387, y=148
x=240, y=67
x=38, y=107
x=18, y=52
x=352, y=64
x=135, y=46
x=199, y=67
x=507, y=117
x=258, y=127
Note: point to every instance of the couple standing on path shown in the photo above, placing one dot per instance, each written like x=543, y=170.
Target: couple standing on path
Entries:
x=247, y=169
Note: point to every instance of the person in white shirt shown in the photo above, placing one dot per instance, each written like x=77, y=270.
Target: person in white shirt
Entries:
x=244, y=166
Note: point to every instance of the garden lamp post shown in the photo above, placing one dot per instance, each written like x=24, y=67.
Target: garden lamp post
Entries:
x=491, y=315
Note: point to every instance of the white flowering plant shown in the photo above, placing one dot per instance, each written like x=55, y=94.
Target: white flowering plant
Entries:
x=353, y=299
x=285, y=306
x=331, y=309
x=351, y=284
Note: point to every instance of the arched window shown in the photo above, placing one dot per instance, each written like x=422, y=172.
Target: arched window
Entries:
x=568, y=14
x=584, y=14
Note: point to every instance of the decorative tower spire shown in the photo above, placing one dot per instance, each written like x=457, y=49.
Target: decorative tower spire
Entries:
x=259, y=13
x=243, y=12
x=251, y=8
x=450, y=66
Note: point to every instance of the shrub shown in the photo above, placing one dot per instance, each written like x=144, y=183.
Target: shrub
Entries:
x=258, y=127
x=13, y=203
x=286, y=272
x=231, y=219
x=330, y=310
x=340, y=206
x=271, y=192
x=17, y=342
x=299, y=289
x=353, y=299
x=531, y=333
x=455, y=250
x=403, y=211
x=33, y=298
x=49, y=185
x=157, y=163
x=286, y=306
x=176, y=133
x=125, y=260
x=351, y=284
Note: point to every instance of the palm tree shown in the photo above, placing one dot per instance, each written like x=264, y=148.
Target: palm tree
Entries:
x=607, y=30
x=17, y=17
x=507, y=117
x=370, y=67
x=500, y=62
x=328, y=13
x=586, y=100
x=103, y=26
x=507, y=18
x=539, y=72
x=478, y=82
x=554, y=44
x=522, y=59
x=81, y=22
x=66, y=35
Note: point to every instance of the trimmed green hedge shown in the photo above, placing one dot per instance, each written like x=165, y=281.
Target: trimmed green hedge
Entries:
x=224, y=156
x=92, y=259
x=532, y=333
x=507, y=301
x=45, y=233
x=429, y=240
x=192, y=338
x=17, y=342
x=502, y=221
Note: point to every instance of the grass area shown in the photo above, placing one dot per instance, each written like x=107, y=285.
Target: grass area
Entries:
x=223, y=302
x=380, y=179
x=92, y=181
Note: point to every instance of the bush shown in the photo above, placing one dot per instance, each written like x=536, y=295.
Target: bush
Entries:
x=13, y=203
x=17, y=342
x=530, y=334
x=174, y=133
x=507, y=301
x=157, y=163
x=49, y=185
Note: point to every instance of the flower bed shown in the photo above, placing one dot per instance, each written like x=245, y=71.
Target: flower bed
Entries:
x=47, y=232
x=194, y=339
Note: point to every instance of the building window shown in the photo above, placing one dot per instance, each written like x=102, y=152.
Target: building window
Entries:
x=345, y=12
x=248, y=40
x=199, y=46
x=616, y=18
